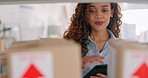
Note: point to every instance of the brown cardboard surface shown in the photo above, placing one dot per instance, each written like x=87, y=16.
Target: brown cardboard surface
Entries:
x=66, y=55
x=2, y=58
x=2, y=47
x=3, y=76
x=120, y=48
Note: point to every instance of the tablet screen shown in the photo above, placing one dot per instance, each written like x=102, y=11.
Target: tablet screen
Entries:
x=97, y=69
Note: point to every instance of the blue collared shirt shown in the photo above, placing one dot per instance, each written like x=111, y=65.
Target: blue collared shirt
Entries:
x=94, y=50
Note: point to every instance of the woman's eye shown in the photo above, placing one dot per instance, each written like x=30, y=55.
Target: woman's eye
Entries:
x=92, y=11
x=104, y=10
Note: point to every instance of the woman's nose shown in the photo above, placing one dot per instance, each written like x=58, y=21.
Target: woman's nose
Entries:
x=99, y=16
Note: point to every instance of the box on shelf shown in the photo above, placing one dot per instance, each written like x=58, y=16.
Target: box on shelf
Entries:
x=2, y=46
x=128, y=59
x=47, y=58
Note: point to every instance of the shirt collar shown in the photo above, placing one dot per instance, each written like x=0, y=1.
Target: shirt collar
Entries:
x=109, y=32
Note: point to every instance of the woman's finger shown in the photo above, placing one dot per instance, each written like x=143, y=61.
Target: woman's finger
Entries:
x=86, y=64
x=90, y=59
x=94, y=77
x=101, y=75
x=100, y=59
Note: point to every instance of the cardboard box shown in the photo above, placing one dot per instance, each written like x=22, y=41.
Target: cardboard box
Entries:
x=2, y=63
x=2, y=45
x=3, y=76
x=45, y=58
x=127, y=59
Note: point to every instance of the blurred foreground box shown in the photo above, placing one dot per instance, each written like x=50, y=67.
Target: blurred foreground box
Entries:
x=128, y=59
x=3, y=69
x=2, y=47
x=45, y=58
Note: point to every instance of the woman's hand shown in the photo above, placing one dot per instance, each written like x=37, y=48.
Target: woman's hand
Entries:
x=99, y=75
x=87, y=60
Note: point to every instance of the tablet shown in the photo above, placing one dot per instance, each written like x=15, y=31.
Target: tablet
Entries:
x=97, y=69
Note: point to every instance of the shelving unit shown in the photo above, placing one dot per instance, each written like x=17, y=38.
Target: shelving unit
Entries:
x=3, y=2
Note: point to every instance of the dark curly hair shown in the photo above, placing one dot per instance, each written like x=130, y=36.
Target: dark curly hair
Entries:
x=79, y=28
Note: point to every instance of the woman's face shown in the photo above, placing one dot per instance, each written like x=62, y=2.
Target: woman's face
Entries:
x=99, y=15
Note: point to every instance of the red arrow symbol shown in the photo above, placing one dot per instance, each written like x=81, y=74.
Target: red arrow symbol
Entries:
x=32, y=72
x=142, y=71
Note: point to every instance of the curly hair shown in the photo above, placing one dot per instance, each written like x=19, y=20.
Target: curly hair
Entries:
x=80, y=29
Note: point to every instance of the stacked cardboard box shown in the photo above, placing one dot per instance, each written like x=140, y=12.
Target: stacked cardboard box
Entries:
x=128, y=59
x=3, y=65
x=2, y=47
x=45, y=58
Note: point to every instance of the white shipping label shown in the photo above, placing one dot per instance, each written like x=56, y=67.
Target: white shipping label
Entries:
x=135, y=64
x=32, y=65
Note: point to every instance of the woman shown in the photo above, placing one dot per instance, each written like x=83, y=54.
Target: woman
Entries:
x=92, y=25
